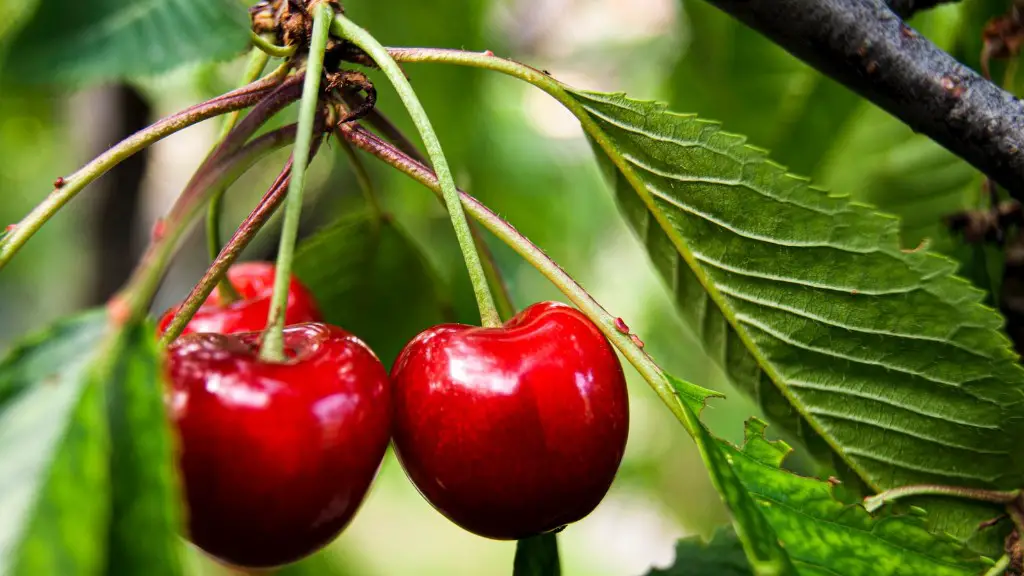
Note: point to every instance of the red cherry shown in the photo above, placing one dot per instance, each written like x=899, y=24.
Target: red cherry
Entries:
x=255, y=284
x=276, y=457
x=511, y=431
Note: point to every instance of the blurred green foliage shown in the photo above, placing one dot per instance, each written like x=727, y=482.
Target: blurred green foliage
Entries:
x=520, y=154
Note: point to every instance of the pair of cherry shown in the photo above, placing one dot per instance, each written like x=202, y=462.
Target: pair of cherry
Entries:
x=509, y=432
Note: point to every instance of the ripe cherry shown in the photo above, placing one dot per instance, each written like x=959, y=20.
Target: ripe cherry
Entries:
x=511, y=431
x=254, y=282
x=276, y=457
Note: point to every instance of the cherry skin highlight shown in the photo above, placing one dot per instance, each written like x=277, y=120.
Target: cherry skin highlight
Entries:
x=276, y=457
x=512, y=431
x=254, y=282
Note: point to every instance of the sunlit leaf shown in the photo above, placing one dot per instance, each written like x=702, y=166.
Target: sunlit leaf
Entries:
x=875, y=354
x=72, y=43
x=54, y=445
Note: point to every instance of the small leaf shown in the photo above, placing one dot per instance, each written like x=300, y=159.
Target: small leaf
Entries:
x=72, y=43
x=54, y=445
x=825, y=536
x=877, y=356
x=145, y=520
x=798, y=523
x=537, y=556
x=370, y=279
x=721, y=556
x=760, y=542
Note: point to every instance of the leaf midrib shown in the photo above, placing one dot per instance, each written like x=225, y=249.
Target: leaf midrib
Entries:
x=640, y=187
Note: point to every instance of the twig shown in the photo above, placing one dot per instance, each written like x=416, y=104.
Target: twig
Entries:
x=866, y=46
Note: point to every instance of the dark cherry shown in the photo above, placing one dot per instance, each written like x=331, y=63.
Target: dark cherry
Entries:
x=276, y=457
x=254, y=282
x=512, y=431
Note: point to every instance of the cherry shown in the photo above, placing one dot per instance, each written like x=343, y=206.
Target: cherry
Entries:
x=254, y=282
x=512, y=431
x=276, y=457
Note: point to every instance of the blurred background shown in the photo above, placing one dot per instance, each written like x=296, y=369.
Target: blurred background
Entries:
x=518, y=151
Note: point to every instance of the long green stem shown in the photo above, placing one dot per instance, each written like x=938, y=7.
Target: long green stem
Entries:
x=69, y=187
x=607, y=323
x=347, y=29
x=272, y=348
x=254, y=68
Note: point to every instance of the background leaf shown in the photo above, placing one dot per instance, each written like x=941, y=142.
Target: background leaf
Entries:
x=872, y=353
x=537, y=556
x=54, y=484
x=720, y=556
x=72, y=43
x=145, y=519
x=369, y=278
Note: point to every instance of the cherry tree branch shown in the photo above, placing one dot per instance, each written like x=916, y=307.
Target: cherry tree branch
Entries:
x=867, y=47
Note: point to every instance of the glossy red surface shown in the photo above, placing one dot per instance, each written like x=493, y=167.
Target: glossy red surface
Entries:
x=276, y=458
x=511, y=431
x=255, y=284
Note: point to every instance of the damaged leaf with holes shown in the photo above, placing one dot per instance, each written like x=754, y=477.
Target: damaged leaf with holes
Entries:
x=876, y=357
x=790, y=524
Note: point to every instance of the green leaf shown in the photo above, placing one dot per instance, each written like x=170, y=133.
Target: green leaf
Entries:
x=873, y=354
x=54, y=444
x=802, y=522
x=145, y=520
x=825, y=536
x=760, y=542
x=72, y=43
x=910, y=176
x=721, y=556
x=537, y=556
x=797, y=110
x=369, y=278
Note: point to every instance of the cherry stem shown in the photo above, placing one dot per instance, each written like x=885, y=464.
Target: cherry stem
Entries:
x=488, y=61
x=219, y=170
x=227, y=256
x=348, y=30
x=999, y=567
x=268, y=48
x=70, y=186
x=499, y=288
x=254, y=68
x=272, y=348
x=873, y=503
x=634, y=354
